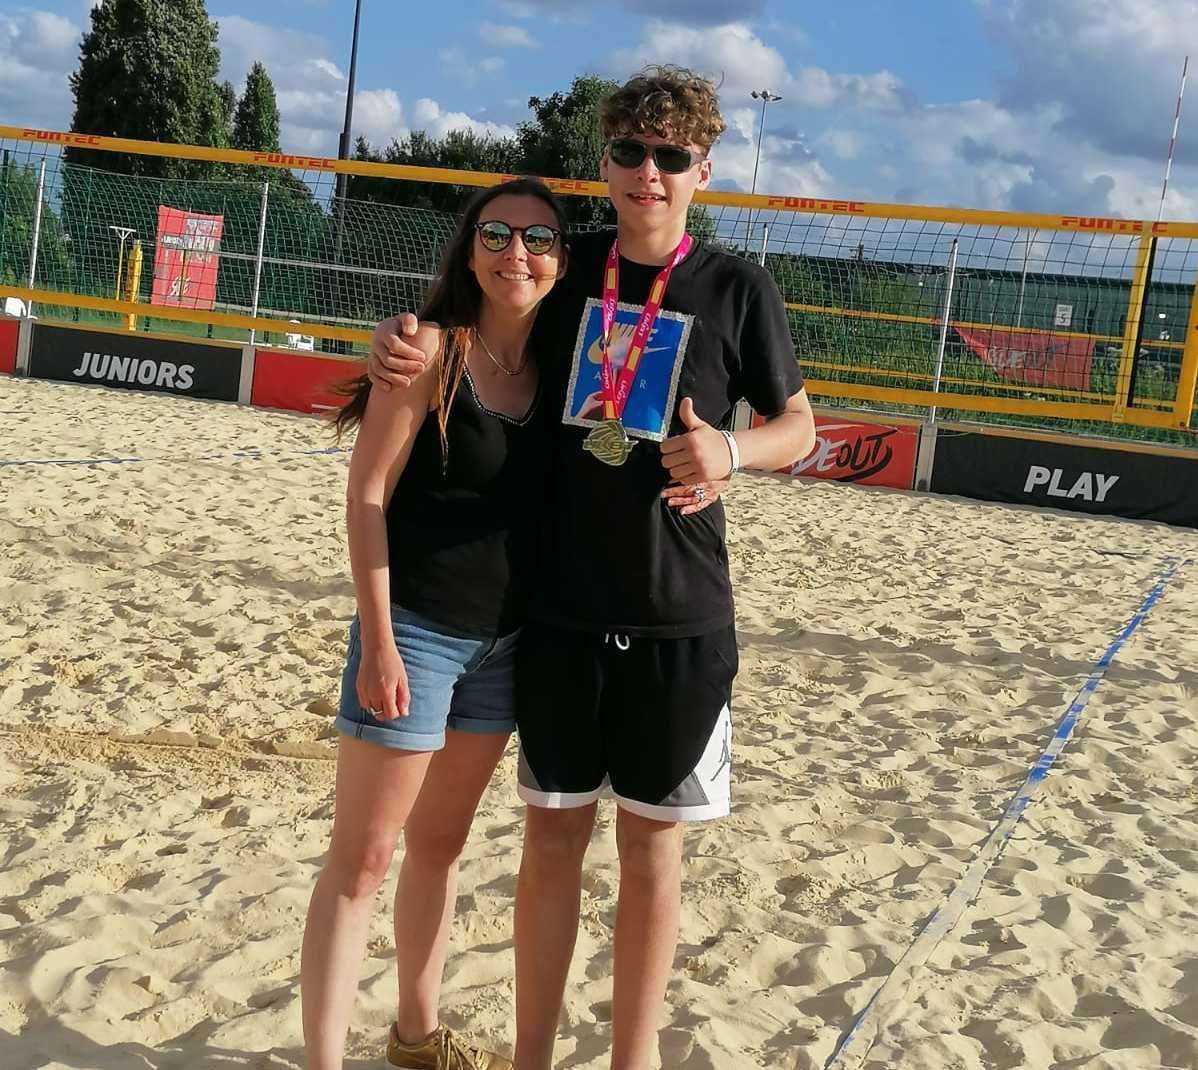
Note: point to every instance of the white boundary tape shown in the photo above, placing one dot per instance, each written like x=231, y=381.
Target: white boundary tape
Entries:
x=860, y=1038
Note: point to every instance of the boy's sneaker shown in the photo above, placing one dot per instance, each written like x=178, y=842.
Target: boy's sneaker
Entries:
x=444, y=1050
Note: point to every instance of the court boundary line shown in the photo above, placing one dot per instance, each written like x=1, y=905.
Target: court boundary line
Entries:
x=856, y=1044
x=239, y=455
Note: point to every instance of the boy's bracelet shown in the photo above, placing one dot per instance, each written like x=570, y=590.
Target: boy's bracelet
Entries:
x=733, y=450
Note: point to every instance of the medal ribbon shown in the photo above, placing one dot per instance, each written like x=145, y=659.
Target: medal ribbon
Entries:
x=616, y=389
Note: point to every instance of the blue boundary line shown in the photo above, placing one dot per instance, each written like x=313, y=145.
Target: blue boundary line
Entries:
x=239, y=455
x=858, y=1041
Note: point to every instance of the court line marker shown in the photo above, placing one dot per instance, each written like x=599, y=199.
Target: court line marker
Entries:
x=240, y=455
x=860, y=1038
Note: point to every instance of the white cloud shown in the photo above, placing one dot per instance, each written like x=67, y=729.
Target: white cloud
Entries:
x=499, y=36
x=470, y=72
x=429, y=116
x=845, y=144
x=39, y=51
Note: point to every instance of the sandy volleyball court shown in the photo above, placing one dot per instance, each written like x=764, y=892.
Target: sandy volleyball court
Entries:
x=171, y=631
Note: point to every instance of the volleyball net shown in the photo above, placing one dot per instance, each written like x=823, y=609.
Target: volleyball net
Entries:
x=1075, y=322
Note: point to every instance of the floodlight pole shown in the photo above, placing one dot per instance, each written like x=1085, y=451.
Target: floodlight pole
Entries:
x=767, y=98
x=343, y=154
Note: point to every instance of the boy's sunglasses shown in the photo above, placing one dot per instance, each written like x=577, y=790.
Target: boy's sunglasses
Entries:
x=669, y=159
x=496, y=236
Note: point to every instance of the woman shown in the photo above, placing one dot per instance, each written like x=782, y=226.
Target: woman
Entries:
x=451, y=468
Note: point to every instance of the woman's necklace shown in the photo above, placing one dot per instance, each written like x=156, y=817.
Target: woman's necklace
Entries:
x=496, y=361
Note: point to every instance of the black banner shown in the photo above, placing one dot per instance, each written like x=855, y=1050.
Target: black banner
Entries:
x=1086, y=479
x=133, y=362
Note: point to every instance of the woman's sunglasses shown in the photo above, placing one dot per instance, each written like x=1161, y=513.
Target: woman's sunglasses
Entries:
x=669, y=159
x=538, y=239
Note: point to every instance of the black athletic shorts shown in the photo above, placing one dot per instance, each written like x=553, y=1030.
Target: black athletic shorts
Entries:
x=645, y=719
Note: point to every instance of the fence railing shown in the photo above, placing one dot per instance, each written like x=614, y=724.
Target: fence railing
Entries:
x=1058, y=320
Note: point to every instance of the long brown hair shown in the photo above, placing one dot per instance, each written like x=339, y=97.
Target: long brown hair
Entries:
x=454, y=301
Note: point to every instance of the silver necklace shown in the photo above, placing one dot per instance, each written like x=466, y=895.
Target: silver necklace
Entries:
x=496, y=361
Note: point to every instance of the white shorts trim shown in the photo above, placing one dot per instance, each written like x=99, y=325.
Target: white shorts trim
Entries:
x=561, y=800
x=670, y=814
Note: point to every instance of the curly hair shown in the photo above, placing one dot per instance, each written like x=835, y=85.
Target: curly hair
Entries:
x=665, y=100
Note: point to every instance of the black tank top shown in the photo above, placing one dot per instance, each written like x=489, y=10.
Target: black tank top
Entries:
x=462, y=537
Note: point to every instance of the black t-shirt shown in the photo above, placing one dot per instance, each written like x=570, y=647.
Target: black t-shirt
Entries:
x=614, y=556
x=461, y=527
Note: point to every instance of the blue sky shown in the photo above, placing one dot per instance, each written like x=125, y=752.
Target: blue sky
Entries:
x=1042, y=105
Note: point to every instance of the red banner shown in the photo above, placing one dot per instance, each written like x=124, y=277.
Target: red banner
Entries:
x=288, y=380
x=1033, y=358
x=9, y=329
x=187, y=259
x=875, y=455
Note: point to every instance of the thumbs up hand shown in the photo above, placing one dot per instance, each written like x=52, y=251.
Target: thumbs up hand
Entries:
x=700, y=454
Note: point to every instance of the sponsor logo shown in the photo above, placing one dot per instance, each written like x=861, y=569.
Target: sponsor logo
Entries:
x=280, y=159
x=108, y=368
x=844, y=448
x=1089, y=486
x=1093, y=222
x=815, y=204
x=57, y=137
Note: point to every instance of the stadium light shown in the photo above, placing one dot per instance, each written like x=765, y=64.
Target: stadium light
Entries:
x=767, y=98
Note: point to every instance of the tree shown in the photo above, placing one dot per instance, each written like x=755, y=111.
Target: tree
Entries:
x=147, y=70
x=563, y=141
x=462, y=150
x=256, y=120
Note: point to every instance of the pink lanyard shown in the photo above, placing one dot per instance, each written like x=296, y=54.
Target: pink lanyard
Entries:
x=617, y=389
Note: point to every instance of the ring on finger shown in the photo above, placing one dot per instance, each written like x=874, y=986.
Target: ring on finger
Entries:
x=701, y=494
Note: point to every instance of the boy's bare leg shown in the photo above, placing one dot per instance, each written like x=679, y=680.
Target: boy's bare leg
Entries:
x=548, y=898
x=646, y=934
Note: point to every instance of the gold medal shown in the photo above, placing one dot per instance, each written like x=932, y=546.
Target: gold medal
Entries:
x=609, y=443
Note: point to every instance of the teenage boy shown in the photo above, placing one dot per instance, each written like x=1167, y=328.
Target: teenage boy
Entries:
x=624, y=672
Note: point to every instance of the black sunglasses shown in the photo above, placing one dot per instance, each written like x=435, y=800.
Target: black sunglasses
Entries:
x=538, y=239
x=669, y=159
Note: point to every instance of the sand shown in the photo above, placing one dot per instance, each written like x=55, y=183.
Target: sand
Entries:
x=171, y=633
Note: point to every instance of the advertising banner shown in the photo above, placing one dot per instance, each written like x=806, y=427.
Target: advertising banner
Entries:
x=187, y=258
x=1033, y=358
x=135, y=362
x=849, y=451
x=1060, y=475
x=9, y=330
x=301, y=382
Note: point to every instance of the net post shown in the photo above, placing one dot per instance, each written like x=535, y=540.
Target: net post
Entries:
x=1187, y=377
x=765, y=240
x=948, y=308
x=1132, y=328
x=258, y=258
x=37, y=228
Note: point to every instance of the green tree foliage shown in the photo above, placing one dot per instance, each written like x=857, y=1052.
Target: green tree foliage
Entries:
x=256, y=119
x=18, y=206
x=460, y=149
x=147, y=70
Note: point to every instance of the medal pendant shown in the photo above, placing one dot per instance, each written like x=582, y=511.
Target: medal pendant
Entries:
x=609, y=443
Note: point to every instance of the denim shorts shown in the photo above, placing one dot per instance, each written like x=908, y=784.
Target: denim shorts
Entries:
x=456, y=681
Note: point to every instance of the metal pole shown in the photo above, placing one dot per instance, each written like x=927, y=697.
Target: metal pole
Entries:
x=3, y=209
x=766, y=98
x=948, y=307
x=258, y=258
x=37, y=231
x=765, y=240
x=1173, y=139
x=342, y=186
x=1027, y=252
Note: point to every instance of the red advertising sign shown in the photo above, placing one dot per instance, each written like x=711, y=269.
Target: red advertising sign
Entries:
x=9, y=329
x=284, y=380
x=187, y=259
x=1033, y=358
x=875, y=455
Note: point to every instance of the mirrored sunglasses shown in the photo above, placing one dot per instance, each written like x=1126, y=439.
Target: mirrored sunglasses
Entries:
x=496, y=236
x=669, y=159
